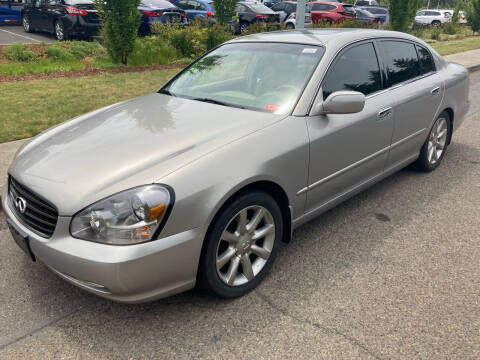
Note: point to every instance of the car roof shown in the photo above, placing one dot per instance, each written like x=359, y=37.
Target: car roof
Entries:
x=337, y=37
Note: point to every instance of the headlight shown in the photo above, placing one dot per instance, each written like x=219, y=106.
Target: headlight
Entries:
x=129, y=217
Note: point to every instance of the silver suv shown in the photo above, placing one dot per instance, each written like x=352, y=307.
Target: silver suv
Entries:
x=433, y=17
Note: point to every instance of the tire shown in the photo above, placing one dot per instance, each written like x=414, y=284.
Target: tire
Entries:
x=59, y=30
x=434, y=148
x=26, y=24
x=244, y=27
x=436, y=23
x=289, y=26
x=229, y=248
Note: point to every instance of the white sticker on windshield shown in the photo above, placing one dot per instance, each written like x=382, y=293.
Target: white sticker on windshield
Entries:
x=309, y=51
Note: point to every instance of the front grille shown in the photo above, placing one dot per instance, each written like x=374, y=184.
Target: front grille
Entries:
x=39, y=215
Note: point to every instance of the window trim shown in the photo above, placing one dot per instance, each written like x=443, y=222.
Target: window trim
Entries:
x=336, y=58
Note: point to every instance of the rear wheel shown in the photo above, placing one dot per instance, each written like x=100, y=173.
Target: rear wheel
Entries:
x=60, y=33
x=241, y=245
x=290, y=26
x=433, y=150
x=243, y=27
x=26, y=24
x=436, y=23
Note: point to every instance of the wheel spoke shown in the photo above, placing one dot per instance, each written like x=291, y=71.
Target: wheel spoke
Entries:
x=441, y=134
x=260, y=251
x=232, y=270
x=229, y=237
x=225, y=257
x=247, y=267
x=256, y=219
x=258, y=234
x=242, y=221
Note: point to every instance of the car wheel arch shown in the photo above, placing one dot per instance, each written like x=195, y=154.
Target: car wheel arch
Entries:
x=450, y=113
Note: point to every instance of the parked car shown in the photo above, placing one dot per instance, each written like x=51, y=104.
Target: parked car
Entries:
x=433, y=17
x=291, y=21
x=252, y=12
x=200, y=181
x=366, y=16
x=10, y=12
x=377, y=11
x=197, y=8
x=366, y=3
x=159, y=11
x=332, y=12
x=64, y=18
x=284, y=9
x=462, y=17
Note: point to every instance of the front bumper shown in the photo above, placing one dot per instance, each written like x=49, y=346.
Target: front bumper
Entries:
x=130, y=274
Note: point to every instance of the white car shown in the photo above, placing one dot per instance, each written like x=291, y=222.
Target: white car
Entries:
x=433, y=17
x=462, y=17
x=366, y=3
x=291, y=21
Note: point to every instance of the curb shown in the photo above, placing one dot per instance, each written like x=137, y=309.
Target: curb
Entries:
x=473, y=68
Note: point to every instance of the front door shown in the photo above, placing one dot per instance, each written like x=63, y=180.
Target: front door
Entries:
x=348, y=150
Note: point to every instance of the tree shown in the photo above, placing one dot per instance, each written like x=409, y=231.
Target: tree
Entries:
x=473, y=14
x=402, y=13
x=224, y=10
x=120, y=21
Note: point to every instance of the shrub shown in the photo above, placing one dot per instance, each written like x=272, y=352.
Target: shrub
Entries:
x=58, y=53
x=120, y=22
x=152, y=51
x=224, y=10
x=18, y=52
x=473, y=15
x=401, y=13
x=436, y=33
x=82, y=49
x=450, y=28
x=418, y=31
x=343, y=24
x=216, y=35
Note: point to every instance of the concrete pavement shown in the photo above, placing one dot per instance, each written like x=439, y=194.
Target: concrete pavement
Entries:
x=14, y=34
x=393, y=273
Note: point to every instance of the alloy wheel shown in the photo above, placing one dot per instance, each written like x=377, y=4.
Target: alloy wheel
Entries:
x=26, y=24
x=437, y=140
x=59, y=31
x=245, y=245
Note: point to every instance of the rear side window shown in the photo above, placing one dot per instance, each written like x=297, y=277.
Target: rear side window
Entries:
x=348, y=9
x=355, y=69
x=426, y=60
x=401, y=61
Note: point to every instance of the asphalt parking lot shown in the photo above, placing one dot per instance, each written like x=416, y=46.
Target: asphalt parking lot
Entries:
x=13, y=33
x=393, y=273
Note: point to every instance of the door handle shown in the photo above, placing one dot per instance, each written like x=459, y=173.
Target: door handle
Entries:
x=384, y=113
x=435, y=90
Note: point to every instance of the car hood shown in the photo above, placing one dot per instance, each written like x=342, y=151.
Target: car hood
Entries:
x=128, y=144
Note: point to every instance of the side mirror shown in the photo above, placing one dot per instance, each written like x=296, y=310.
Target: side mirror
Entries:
x=341, y=102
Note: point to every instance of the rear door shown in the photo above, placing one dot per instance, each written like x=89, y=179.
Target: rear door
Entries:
x=53, y=10
x=417, y=89
x=348, y=150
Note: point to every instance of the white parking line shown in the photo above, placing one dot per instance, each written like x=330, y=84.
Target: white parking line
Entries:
x=26, y=37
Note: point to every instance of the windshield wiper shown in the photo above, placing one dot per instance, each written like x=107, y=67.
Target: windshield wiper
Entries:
x=217, y=102
x=166, y=92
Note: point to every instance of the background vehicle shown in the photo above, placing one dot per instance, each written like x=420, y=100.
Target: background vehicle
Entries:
x=159, y=11
x=10, y=12
x=64, y=18
x=197, y=8
x=366, y=16
x=291, y=21
x=462, y=17
x=433, y=17
x=377, y=11
x=284, y=9
x=250, y=13
x=332, y=12
x=366, y=3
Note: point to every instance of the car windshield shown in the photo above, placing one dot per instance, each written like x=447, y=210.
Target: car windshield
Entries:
x=258, y=76
x=161, y=4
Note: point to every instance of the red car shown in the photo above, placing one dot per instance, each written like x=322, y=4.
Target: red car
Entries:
x=329, y=11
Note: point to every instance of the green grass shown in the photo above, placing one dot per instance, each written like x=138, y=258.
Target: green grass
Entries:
x=33, y=106
x=456, y=46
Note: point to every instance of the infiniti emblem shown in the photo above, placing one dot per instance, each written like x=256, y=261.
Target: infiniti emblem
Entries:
x=21, y=204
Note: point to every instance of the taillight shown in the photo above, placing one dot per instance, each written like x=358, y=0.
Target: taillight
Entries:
x=294, y=15
x=261, y=16
x=210, y=14
x=185, y=15
x=152, y=13
x=373, y=20
x=75, y=11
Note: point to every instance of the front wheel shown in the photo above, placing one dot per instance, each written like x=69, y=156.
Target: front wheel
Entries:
x=243, y=27
x=241, y=245
x=290, y=26
x=433, y=150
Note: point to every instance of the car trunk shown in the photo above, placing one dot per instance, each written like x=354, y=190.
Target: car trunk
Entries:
x=92, y=15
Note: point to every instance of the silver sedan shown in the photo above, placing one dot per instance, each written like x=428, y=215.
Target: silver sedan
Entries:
x=200, y=181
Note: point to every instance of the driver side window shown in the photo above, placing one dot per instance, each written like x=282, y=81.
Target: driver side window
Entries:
x=355, y=69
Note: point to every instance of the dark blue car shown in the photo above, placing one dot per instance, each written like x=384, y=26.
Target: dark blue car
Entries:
x=197, y=8
x=159, y=11
x=378, y=11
